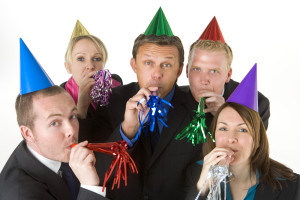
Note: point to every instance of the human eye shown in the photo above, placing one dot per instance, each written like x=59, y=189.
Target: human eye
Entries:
x=74, y=116
x=167, y=65
x=222, y=129
x=243, y=130
x=196, y=69
x=148, y=63
x=80, y=59
x=213, y=71
x=98, y=59
x=55, y=123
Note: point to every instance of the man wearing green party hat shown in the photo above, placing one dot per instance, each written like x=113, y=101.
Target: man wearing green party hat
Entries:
x=157, y=59
x=47, y=117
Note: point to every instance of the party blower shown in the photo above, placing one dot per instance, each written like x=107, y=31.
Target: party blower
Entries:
x=120, y=161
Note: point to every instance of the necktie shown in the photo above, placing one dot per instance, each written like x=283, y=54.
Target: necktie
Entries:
x=70, y=179
x=154, y=137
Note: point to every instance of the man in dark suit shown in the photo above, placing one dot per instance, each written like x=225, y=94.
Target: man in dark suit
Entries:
x=209, y=72
x=162, y=160
x=47, y=117
x=49, y=126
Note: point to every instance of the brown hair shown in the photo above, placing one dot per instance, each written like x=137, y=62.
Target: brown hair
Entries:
x=260, y=161
x=162, y=40
x=24, y=106
x=100, y=45
x=210, y=45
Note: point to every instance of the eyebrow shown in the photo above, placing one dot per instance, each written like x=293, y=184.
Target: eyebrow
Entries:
x=168, y=57
x=85, y=53
x=58, y=114
x=227, y=124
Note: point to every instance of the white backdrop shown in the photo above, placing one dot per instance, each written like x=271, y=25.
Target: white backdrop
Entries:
x=257, y=31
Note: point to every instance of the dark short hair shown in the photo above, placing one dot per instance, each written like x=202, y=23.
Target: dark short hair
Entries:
x=162, y=40
x=24, y=106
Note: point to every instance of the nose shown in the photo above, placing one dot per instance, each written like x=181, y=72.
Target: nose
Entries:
x=232, y=138
x=90, y=65
x=204, y=78
x=156, y=72
x=70, y=130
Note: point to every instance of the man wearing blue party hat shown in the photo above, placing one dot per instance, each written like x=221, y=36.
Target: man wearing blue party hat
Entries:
x=157, y=59
x=241, y=139
x=47, y=117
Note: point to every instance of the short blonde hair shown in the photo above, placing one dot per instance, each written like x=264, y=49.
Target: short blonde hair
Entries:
x=94, y=39
x=209, y=45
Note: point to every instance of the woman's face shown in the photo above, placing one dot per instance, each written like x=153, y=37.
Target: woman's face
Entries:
x=85, y=58
x=232, y=132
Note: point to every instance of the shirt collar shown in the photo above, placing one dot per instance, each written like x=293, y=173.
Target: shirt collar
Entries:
x=169, y=96
x=51, y=164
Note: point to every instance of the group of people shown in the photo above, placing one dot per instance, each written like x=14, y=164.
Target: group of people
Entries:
x=52, y=118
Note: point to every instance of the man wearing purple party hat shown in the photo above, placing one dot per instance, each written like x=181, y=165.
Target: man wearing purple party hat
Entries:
x=240, y=138
x=209, y=72
x=47, y=117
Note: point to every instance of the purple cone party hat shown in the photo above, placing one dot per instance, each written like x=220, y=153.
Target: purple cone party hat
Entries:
x=79, y=30
x=246, y=92
x=159, y=25
x=32, y=75
x=212, y=32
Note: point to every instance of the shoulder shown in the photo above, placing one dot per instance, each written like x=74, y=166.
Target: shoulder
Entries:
x=185, y=88
x=125, y=90
x=290, y=190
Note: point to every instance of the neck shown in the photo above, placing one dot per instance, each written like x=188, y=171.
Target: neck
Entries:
x=242, y=173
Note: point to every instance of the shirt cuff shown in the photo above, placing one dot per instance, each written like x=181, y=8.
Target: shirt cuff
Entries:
x=129, y=142
x=96, y=189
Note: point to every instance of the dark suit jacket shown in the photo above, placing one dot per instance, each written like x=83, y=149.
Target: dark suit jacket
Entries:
x=263, y=103
x=161, y=174
x=290, y=189
x=24, y=177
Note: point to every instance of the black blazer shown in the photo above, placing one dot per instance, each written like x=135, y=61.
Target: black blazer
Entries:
x=263, y=102
x=290, y=189
x=24, y=177
x=161, y=173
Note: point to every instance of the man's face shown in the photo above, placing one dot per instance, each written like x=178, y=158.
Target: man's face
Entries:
x=55, y=126
x=157, y=66
x=208, y=72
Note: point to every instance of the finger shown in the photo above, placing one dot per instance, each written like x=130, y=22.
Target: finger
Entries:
x=141, y=101
x=210, y=109
x=90, y=159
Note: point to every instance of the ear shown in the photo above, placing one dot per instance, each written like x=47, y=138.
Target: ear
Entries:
x=133, y=64
x=229, y=75
x=27, y=134
x=179, y=71
x=187, y=70
x=68, y=68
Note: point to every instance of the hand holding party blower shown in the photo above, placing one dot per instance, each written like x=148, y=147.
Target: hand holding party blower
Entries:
x=197, y=130
x=120, y=161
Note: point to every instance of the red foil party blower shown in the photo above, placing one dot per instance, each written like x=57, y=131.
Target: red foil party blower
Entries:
x=120, y=161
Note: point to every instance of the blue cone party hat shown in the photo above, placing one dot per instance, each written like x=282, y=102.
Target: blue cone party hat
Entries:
x=246, y=92
x=32, y=75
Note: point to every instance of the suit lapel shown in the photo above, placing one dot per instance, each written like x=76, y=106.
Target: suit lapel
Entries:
x=42, y=174
x=265, y=192
x=176, y=117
